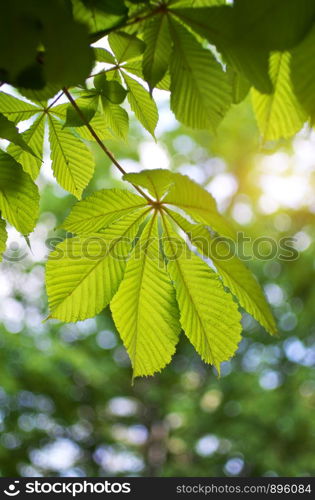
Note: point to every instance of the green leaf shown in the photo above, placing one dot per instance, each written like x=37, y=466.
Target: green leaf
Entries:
x=144, y=309
x=200, y=91
x=116, y=119
x=34, y=137
x=240, y=85
x=156, y=181
x=273, y=25
x=217, y=25
x=158, y=49
x=19, y=39
x=142, y=104
x=233, y=272
x=9, y=131
x=103, y=55
x=125, y=46
x=68, y=55
x=208, y=314
x=278, y=114
x=165, y=83
x=99, y=23
x=106, y=6
x=303, y=73
x=135, y=68
x=72, y=162
x=19, y=198
x=3, y=237
x=83, y=273
x=97, y=122
x=100, y=209
x=15, y=109
x=40, y=96
x=110, y=89
x=88, y=107
x=198, y=204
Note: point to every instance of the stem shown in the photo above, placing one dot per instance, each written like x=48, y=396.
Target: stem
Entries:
x=55, y=100
x=102, y=145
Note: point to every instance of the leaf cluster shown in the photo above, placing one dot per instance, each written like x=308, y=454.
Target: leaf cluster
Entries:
x=127, y=252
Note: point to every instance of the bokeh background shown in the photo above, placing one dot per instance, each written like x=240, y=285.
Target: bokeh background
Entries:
x=67, y=404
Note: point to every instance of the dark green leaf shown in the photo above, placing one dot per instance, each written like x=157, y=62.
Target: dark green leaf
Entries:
x=88, y=107
x=216, y=24
x=110, y=89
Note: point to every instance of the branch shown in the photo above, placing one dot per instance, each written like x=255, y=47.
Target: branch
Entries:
x=101, y=144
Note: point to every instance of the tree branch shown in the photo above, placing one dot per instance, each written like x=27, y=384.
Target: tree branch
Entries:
x=101, y=144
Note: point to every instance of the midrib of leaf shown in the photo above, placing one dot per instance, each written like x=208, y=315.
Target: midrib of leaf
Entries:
x=188, y=291
x=101, y=260
x=62, y=151
x=23, y=112
x=140, y=288
x=154, y=189
x=272, y=97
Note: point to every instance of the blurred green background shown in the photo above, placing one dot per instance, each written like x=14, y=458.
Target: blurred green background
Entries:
x=67, y=405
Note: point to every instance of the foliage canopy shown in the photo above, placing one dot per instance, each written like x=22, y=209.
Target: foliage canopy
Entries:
x=209, y=55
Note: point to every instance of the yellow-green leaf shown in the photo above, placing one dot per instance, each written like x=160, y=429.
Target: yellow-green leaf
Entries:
x=83, y=273
x=278, y=114
x=200, y=90
x=100, y=209
x=15, y=109
x=34, y=137
x=19, y=198
x=233, y=272
x=156, y=181
x=72, y=162
x=198, y=203
x=144, y=309
x=142, y=104
x=3, y=237
x=208, y=314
